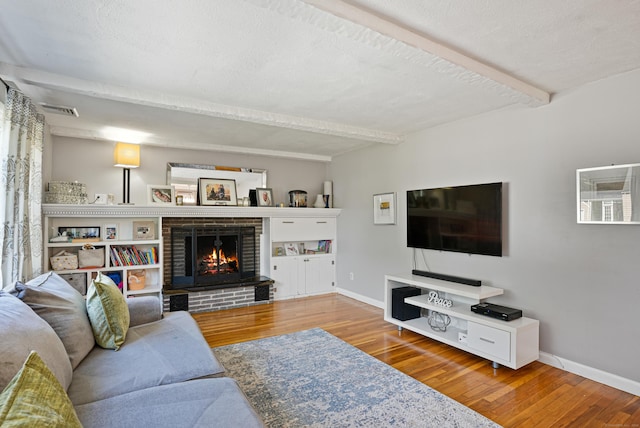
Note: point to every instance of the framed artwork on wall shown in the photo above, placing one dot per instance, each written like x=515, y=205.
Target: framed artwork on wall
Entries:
x=384, y=208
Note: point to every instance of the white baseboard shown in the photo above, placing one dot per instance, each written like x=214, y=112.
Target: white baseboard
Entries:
x=609, y=379
x=361, y=298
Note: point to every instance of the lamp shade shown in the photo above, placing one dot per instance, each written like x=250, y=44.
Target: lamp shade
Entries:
x=126, y=155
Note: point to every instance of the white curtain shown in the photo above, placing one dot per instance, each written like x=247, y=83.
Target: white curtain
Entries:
x=21, y=138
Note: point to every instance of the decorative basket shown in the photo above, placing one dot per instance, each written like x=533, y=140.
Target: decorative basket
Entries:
x=137, y=279
x=64, y=260
x=89, y=256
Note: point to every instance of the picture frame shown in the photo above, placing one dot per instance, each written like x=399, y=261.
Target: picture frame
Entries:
x=264, y=197
x=144, y=230
x=160, y=194
x=110, y=232
x=291, y=249
x=217, y=191
x=384, y=208
x=80, y=234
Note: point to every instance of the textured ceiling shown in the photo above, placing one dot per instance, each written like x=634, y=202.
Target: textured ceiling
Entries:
x=307, y=79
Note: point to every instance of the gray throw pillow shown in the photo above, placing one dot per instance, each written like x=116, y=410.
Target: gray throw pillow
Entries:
x=63, y=307
x=22, y=331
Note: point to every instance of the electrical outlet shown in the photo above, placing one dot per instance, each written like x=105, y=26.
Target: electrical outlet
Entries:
x=101, y=199
x=462, y=337
x=351, y=276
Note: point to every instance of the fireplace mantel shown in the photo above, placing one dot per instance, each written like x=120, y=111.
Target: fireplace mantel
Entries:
x=66, y=210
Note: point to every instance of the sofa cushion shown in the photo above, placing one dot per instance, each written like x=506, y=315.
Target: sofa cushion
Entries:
x=63, y=307
x=22, y=331
x=34, y=397
x=166, y=351
x=196, y=403
x=108, y=312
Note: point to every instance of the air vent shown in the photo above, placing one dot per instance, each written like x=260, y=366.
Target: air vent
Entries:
x=65, y=111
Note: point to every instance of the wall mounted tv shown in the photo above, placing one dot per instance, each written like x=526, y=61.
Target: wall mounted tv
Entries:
x=465, y=219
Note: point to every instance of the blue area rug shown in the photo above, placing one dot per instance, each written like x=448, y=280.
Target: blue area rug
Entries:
x=313, y=379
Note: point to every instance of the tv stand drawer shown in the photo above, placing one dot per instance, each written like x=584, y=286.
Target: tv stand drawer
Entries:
x=489, y=340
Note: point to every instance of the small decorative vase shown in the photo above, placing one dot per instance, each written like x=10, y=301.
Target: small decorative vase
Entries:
x=319, y=202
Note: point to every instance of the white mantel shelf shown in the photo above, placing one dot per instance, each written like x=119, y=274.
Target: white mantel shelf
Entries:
x=66, y=210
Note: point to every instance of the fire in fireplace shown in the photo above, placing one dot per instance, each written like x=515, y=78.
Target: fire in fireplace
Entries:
x=217, y=254
x=210, y=256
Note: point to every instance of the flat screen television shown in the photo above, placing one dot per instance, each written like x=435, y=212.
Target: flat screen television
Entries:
x=465, y=219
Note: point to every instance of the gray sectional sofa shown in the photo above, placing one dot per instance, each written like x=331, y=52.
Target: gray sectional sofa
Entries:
x=163, y=375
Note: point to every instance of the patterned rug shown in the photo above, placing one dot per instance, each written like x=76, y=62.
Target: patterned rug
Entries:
x=313, y=379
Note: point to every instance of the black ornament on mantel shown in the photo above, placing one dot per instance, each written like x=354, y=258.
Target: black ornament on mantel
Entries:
x=253, y=197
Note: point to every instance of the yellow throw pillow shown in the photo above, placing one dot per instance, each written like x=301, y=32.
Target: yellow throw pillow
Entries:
x=108, y=312
x=35, y=398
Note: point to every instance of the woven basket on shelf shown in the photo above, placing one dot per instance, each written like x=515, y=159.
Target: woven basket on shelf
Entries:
x=136, y=279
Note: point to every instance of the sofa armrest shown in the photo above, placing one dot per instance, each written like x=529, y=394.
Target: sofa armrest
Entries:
x=144, y=309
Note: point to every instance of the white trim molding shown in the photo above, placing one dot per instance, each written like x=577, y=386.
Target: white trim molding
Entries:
x=360, y=298
x=597, y=375
x=65, y=210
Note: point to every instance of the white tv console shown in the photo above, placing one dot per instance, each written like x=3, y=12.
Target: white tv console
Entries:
x=509, y=343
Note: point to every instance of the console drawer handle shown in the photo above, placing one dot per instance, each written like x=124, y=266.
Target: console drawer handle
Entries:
x=488, y=341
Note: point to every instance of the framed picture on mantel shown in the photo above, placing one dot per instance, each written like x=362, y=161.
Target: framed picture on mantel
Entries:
x=217, y=191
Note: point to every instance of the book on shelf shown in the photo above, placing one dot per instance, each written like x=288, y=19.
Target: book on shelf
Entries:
x=132, y=256
x=324, y=246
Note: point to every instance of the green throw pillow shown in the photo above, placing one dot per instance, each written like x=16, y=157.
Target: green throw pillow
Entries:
x=35, y=398
x=108, y=312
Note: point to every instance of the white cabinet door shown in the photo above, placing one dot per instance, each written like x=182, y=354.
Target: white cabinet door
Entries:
x=320, y=274
x=284, y=271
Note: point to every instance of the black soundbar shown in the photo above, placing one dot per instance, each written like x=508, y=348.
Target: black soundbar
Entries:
x=451, y=278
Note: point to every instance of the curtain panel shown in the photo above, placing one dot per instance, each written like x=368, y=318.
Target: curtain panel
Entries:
x=21, y=137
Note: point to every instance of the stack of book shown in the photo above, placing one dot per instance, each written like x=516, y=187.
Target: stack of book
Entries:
x=131, y=256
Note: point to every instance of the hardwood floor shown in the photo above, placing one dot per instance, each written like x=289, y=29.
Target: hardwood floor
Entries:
x=537, y=395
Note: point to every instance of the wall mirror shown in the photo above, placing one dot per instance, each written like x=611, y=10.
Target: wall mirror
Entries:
x=609, y=195
x=184, y=178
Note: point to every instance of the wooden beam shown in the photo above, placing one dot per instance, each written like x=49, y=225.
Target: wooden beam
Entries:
x=380, y=25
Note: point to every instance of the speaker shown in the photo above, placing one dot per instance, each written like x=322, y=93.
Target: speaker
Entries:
x=253, y=198
x=401, y=310
x=261, y=293
x=178, y=302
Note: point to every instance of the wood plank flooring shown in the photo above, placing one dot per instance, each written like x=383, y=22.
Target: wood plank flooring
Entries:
x=537, y=395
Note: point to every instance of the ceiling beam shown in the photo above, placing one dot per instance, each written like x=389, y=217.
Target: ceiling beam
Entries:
x=194, y=106
x=61, y=131
x=535, y=96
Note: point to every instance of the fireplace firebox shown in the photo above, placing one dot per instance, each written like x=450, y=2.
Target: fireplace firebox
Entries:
x=212, y=256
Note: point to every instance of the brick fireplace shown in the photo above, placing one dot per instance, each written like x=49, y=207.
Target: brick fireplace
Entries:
x=223, y=284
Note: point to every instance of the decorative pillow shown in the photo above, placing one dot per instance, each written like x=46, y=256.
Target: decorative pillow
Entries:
x=34, y=397
x=22, y=331
x=64, y=308
x=108, y=312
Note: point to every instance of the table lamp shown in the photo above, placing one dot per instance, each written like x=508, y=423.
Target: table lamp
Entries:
x=126, y=156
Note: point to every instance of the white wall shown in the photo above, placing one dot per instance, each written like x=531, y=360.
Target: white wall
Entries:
x=91, y=162
x=581, y=281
